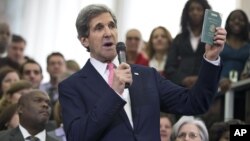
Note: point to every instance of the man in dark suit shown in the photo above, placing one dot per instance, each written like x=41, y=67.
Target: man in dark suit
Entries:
x=34, y=110
x=96, y=106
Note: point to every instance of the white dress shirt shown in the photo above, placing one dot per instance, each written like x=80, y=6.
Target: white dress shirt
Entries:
x=41, y=135
x=103, y=71
x=159, y=66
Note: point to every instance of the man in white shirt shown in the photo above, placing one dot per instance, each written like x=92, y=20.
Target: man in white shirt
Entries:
x=96, y=106
x=34, y=111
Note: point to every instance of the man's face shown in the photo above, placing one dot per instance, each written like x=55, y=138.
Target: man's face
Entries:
x=102, y=38
x=4, y=37
x=36, y=108
x=32, y=73
x=133, y=40
x=56, y=66
x=16, y=51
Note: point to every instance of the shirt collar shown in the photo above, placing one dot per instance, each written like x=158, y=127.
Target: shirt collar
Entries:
x=192, y=34
x=102, y=67
x=41, y=135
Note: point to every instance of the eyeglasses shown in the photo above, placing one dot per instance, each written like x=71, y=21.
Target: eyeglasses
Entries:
x=133, y=38
x=191, y=135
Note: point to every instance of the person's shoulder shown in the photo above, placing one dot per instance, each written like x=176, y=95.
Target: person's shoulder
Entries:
x=50, y=138
x=181, y=36
x=72, y=78
x=5, y=134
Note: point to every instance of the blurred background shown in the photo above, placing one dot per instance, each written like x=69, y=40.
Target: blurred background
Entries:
x=49, y=25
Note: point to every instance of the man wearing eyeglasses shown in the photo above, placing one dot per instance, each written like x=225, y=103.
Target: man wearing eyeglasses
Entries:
x=133, y=42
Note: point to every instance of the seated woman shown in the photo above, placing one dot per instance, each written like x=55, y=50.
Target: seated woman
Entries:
x=219, y=131
x=7, y=77
x=166, y=126
x=189, y=128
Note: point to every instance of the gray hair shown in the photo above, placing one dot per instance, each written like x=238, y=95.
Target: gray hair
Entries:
x=87, y=14
x=190, y=119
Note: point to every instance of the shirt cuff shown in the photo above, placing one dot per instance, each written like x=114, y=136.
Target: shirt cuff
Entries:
x=216, y=62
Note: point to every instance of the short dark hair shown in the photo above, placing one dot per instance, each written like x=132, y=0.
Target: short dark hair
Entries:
x=54, y=54
x=185, y=17
x=29, y=61
x=18, y=38
x=244, y=32
x=86, y=14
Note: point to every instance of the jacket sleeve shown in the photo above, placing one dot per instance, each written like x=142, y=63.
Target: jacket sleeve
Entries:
x=179, y=100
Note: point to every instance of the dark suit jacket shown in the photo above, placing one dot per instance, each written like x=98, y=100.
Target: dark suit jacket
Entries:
x=182, y=61
x=92, y=111
x=16, y=135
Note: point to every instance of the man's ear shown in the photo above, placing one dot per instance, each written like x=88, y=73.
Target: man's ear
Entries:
x=84, y=41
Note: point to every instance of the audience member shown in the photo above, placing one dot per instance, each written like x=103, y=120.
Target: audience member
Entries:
x=32, y=72
x=190, y=128
x=7, y=77
x=158, y=46
x=220, y=131
x=34, y=111
x=56, y=66
x=5, y=38
x=9, y=118
x=186, y=52
x=13, y=94
x=72, y=66
x=133, y=42
x=166, y=123
x=236, y=51
x=15, y=53
x=58, y=133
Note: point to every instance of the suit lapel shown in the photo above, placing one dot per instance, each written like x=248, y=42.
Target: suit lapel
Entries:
x=16, y=135
x=98, y=85
x=94, y=80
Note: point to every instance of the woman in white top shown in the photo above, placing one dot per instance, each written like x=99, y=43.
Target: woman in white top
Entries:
x=158, y=46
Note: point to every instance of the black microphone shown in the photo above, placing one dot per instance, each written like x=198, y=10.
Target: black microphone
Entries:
x=121, y=51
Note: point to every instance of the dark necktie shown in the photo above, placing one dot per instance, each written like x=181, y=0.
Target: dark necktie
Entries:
x=31, y=138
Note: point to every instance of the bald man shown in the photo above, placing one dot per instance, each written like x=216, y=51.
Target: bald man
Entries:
x=34, y=111
x=133, y=42
x=5, y=37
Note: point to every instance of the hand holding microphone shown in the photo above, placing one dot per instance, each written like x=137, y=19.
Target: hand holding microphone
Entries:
x=122, y=76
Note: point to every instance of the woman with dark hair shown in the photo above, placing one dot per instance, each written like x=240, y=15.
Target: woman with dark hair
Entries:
x=236, y=49
x=7, y=77
x=219, y=131
x=186, y=52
